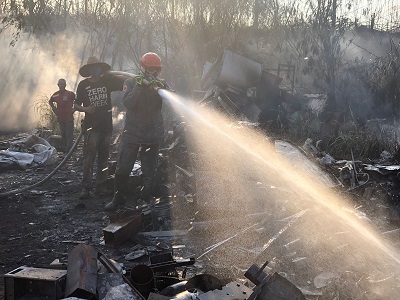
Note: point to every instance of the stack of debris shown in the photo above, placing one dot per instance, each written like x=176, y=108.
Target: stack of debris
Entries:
x=242, y=87
x=89, y=274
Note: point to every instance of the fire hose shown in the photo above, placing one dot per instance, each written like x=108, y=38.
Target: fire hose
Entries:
x=20, y=190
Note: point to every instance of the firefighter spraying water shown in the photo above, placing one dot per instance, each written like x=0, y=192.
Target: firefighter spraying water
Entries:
x=144, y=129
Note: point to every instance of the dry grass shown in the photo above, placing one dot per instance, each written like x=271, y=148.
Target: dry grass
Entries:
x=46, y=117
x=361, y=143
x=365, y=142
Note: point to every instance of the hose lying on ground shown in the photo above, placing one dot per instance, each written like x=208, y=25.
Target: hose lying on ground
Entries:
x=17, y=191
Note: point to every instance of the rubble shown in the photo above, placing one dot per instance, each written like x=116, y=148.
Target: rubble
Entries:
x=106, y=282
x=185, y=238
x=120, y=292
x=158, y=240
x=81, y=280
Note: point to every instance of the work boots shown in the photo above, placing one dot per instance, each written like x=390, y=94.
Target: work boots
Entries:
x=118, y=200
x=119, y=193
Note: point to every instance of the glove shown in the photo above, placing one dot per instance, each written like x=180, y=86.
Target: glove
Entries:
x=154, y=84
x=150, y=81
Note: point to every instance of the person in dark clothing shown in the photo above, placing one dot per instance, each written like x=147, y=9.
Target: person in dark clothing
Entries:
x=144, y=129
x=64, y=110
x=93, y=97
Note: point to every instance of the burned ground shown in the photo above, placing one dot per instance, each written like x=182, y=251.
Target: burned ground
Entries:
x=46, y=223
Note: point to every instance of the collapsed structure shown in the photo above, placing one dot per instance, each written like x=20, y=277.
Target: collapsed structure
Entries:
x=244, y=88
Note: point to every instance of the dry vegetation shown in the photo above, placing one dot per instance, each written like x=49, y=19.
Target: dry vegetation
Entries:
x=316, y=37
x=186, y=33
x=47, y=118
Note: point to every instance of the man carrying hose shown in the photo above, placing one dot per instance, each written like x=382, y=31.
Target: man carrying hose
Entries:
x=93, y=97
x=144, y=129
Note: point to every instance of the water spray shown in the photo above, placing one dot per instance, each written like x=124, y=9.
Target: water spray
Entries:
x=307, y=187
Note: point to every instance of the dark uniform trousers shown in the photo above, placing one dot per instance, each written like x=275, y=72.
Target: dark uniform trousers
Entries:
x=97, y=143
x=67, y=135
x=127, y=154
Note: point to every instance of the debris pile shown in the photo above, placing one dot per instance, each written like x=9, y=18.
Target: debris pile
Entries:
x=90, y=274
x=205, y=225
x=244, y=88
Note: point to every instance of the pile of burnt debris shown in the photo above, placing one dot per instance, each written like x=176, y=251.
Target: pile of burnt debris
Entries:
x=256, y=96
x=159, y=268
x=89, y=274
x=171, y=233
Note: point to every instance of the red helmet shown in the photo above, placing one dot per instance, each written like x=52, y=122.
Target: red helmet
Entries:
x=150, y=59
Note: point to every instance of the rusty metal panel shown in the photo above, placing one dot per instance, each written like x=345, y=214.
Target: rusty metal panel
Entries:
x=34, y=282
x=82, y=272
x=122, y=228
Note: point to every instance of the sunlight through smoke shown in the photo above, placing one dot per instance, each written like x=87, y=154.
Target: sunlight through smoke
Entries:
x=234, y=160
x=30, y=71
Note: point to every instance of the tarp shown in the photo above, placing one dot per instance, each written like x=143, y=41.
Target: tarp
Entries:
x=27, y=152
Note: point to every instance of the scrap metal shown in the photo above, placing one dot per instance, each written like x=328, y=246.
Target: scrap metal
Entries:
x=113, y=269
x=232, y=291
x=165, y=266
x=271, y=286
x=34, y=282
x=124, y=225
x=82, y=272
x=142, y=277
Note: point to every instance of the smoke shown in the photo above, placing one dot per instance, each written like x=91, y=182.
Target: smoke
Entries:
x=368, y=44
x=363, y=46
x=30, y=71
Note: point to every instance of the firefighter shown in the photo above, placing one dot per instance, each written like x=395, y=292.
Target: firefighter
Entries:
x=144, y=129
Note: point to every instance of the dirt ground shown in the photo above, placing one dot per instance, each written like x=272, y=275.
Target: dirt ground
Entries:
x=39, y=226
x=47, y=222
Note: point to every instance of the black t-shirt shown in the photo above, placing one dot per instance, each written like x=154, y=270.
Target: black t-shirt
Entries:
x=98, y=95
